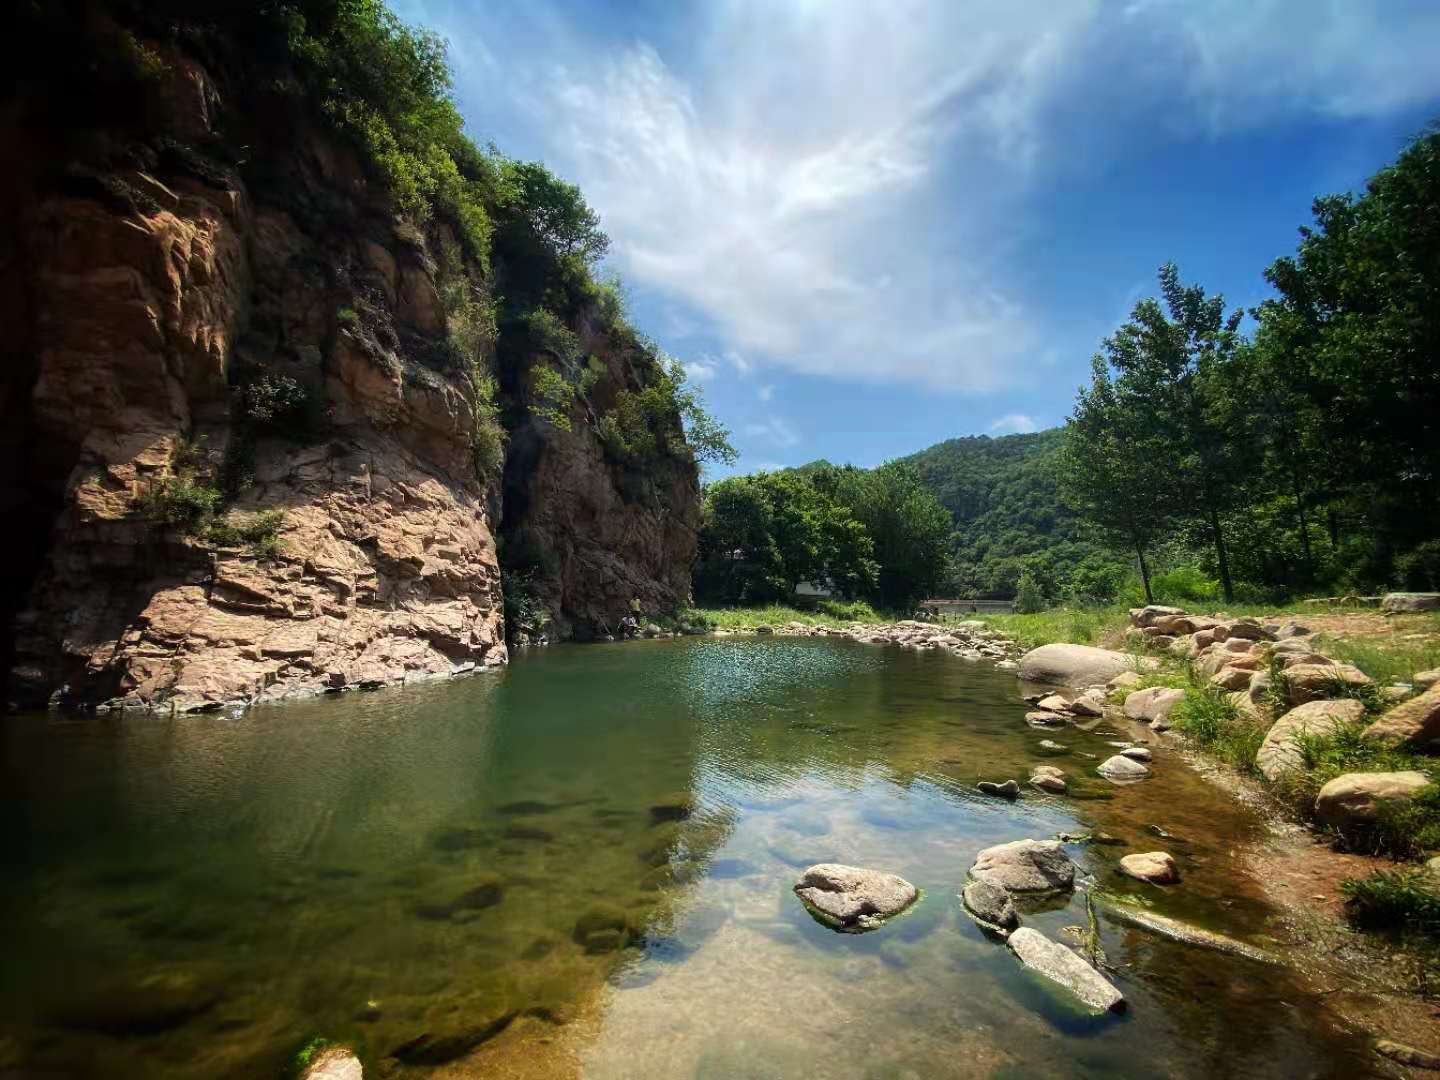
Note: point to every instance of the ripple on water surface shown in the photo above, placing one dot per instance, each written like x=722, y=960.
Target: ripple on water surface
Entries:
x=582, y=865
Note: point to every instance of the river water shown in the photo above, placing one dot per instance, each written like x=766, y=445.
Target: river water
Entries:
x=582, y=866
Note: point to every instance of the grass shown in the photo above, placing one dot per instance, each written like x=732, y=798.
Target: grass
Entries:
x=831, y=613
x=1075, y=626
x=1388, y=658
x=1408, y=899
x=1211, y=720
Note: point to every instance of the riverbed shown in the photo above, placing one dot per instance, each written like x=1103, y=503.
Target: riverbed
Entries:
x=582, y=865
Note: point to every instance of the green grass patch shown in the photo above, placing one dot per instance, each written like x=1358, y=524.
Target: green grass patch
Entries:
x=1406, y=899
x=1073, y=626
x=1388, y=658
x=1212, y=721
x=832, y=613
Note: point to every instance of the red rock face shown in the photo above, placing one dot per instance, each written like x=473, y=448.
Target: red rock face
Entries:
x=387, y=568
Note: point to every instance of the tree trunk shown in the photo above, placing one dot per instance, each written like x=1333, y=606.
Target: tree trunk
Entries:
x=1226, y=588
x=1144, y=572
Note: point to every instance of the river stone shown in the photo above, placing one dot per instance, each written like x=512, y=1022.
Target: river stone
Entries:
x=1025, y=866
x=1355, y=798
x=1315, y=682
x=333, y=1063
x=1090, y=703
x=1053, y=703
x=991, y=906
x=1122, y=768
x=853, y=898
x=1278, y=754
x=1060, y=965
x=1048, y=778
x=1411, y=601
x=1407, y=1055
x=1156, y=867
x=1416, y=721
x=1073, y=665
x=1186, y=934
x=1152, y=703
x=1044, y=719
x=1008, y=790
x=1137, y=753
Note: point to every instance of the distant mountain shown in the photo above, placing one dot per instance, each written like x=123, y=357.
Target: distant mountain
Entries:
x=1003, y=496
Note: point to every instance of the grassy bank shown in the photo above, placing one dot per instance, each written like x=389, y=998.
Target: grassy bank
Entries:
x=833, y=613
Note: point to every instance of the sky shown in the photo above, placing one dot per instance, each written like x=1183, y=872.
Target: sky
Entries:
x=869, y=227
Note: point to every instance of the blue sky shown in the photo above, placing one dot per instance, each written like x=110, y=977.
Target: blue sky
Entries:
x=868, y=227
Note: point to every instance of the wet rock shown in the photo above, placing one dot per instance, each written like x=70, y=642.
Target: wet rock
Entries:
x=1090, y=703
x=602, y=930
x=1008, y=790
x=1280, y=753
x=1122, y=769
x=1416, y=721
x=156, y=1003
x=853, y=898
x=673, y=808
x=1048, y=778
x=481, y=896
x=1072, y=665
x=1174, y=930
x=333, y=1063
x=1407, y=1055
x=1156, y=867
x=1053, y=703
x=990, y=906
x=1356, y=798
x=1025, y=866
x=1050, y=746
x=1063, y=967
x=1044, y=719
x=1137, y=753
x=446, y=1044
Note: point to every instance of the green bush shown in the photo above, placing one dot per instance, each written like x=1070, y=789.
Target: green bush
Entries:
x=181, y=502
x=260, y=531
x=553, y=395
x=1407, y=899
x=851, y=611
x=1184, y=585
x=665, y=418
x=1209, y=719
x=1029, y=600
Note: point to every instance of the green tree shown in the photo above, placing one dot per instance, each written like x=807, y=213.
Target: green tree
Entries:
x=908, y=526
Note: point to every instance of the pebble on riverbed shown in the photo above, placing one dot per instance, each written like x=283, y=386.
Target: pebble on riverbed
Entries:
x=1008, y=790
x=1121, y=769
x=1156, y=867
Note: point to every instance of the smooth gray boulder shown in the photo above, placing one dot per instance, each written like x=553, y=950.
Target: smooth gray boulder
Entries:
x=1356, y=798
x=1025, y=866
x=1152, y=703
x=1075, y=665
x=1410, y=601
x=851, y=897
x=1280, y=752
x=1121, y=769
x=1060, y=965
x=990, y=906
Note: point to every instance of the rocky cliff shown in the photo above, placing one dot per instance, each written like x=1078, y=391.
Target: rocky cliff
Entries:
x=237, y=444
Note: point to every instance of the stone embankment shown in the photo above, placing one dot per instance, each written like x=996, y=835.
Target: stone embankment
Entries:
x=971, y=640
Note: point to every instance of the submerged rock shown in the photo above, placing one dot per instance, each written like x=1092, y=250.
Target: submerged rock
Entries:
x=1025, y=866
x=1156, y=867
x=853, y=898
x=990, y=906
x=148, y=1006
x=1008, y=790
x=1174, y=930
x=333, y=1063
x=1058, y=964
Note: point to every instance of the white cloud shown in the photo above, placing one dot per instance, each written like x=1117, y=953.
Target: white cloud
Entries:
x=700, y=371
x=837, y=189
x=772, y=429
x=766, y=392
x=1015, y=422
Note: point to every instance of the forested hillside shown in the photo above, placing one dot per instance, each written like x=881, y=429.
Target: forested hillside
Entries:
x=1003, y=494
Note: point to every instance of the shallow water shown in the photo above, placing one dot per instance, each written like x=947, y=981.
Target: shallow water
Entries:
x=583, y=865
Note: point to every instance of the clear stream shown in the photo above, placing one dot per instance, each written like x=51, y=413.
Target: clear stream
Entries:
x=582, y=866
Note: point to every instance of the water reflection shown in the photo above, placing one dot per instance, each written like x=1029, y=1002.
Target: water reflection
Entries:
x=583, y=865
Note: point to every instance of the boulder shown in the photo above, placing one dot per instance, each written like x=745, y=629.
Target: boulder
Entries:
x=1424, y=680
x=333, y=1063
x=1411, y=601
x=1355, y=798
x=1137, y=753
x=1053, y=703
x=1073, y=665
x=1060, y=965
x=1025, y=866
x=853, y=898
x=1090, y=703
x=1287, y=660
x=1407, y=1055
x=991, y=906
x=1124, y=681
x=1315, y=682
x=1152, y=703
x=1008, y=790
x=1120, y=768
x=1048, y=778
x=1156, y=867
x=1291, y=630
x=1279, y=754
x=1291, y=645
x=1233, y=677
x=1151, y=614
x=1244, y=629
x=1416, y=721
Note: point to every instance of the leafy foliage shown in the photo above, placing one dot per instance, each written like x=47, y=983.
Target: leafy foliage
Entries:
x=1407, y=898
x=667, y=417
